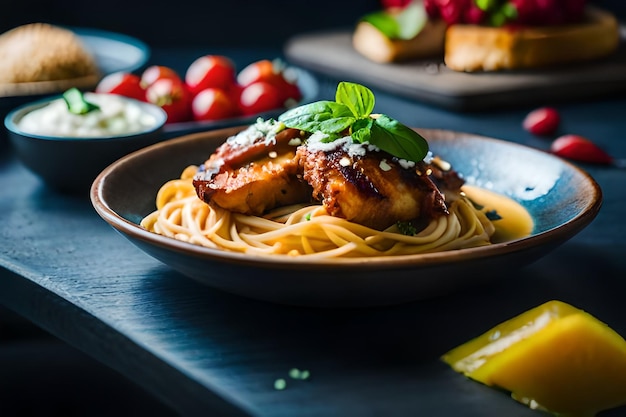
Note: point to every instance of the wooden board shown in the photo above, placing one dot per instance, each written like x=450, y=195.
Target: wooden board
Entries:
x=429, y=80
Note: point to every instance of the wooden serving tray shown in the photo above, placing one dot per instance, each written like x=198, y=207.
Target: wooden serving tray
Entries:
x=331, y=53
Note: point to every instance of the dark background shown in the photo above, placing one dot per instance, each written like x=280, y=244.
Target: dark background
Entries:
x=192, y=23
x=162, y=23
x=40, y=375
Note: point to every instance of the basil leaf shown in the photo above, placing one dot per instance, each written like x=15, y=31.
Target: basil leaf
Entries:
x=362, y=129
x=403, y=25
x=384, y=22
x=76, y=102
x=359, y=99
x=395, y=138
x=326, y=116
x=351, y=114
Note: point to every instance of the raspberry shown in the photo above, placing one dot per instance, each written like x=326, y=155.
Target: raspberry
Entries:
x=432, y=9
x=548, y=12
x=529, y=12
x=526, y=11
x=473, y=14
x=391, y=4
x=452, y=10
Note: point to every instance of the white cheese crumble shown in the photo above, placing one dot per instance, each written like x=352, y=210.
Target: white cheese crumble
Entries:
x=384, y=165
x=262, y=128
x=316, y=143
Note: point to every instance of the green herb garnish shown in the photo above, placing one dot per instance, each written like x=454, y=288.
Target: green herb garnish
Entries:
x=296, y=373
x=403, y=25
x=76, y=102
x=280, y=384
x=406, y=228
x=352, y=112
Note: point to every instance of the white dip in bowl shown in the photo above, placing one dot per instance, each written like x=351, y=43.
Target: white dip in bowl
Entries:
x=116, y=116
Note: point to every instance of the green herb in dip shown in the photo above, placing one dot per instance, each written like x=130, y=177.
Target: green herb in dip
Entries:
x=111, y=115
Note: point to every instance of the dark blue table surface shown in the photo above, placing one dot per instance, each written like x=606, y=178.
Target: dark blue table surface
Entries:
x=205, y=352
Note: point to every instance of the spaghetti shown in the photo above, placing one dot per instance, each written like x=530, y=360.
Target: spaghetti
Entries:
x=306, y=230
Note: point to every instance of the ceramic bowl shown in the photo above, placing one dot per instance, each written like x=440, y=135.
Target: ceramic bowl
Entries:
x=561, y=198
x=70, y=163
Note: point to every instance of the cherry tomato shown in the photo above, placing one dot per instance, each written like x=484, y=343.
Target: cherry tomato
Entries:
x=291, y=92
x=122, y=83
x=263, y=70
x=210, y=71
x=235, y=92
x=260, y=97
x=213, y=104
x=272, y=72
x=157, y=72
x=173, y=97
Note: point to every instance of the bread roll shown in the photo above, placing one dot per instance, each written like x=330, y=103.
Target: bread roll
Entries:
x=43, y=52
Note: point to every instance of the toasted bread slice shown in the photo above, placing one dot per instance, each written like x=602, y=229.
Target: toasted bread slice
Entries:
x=479, y=48
x=374, y=45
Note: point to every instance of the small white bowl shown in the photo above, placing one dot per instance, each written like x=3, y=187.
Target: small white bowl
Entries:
x=71, y=163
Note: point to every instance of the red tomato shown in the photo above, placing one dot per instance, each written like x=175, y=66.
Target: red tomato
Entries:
x=173, y=97
x=259, y=97
x=122, y=83
x=157, y=72
x=262, y=70
x=290, y=91
x=210, y=71
x=274, y=73
x=213, y=104
x=235, y=92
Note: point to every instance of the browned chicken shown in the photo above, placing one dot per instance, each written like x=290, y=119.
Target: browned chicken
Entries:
x=371, y=189
x=255, y=176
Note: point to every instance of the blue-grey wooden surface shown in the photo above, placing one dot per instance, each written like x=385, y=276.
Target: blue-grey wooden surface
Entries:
x=204, y=352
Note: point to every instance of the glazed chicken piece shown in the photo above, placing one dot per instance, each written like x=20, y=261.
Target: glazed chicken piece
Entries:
x=371, y=189
x=251, y=175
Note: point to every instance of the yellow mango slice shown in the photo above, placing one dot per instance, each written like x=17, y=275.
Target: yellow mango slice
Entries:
x=553, y=357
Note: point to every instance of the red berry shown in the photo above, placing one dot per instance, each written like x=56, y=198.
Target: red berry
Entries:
x=452, y=11
x=473, y=14
x=432, y=8
x=391, y=4
x=581, y=149
x=543, y=121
